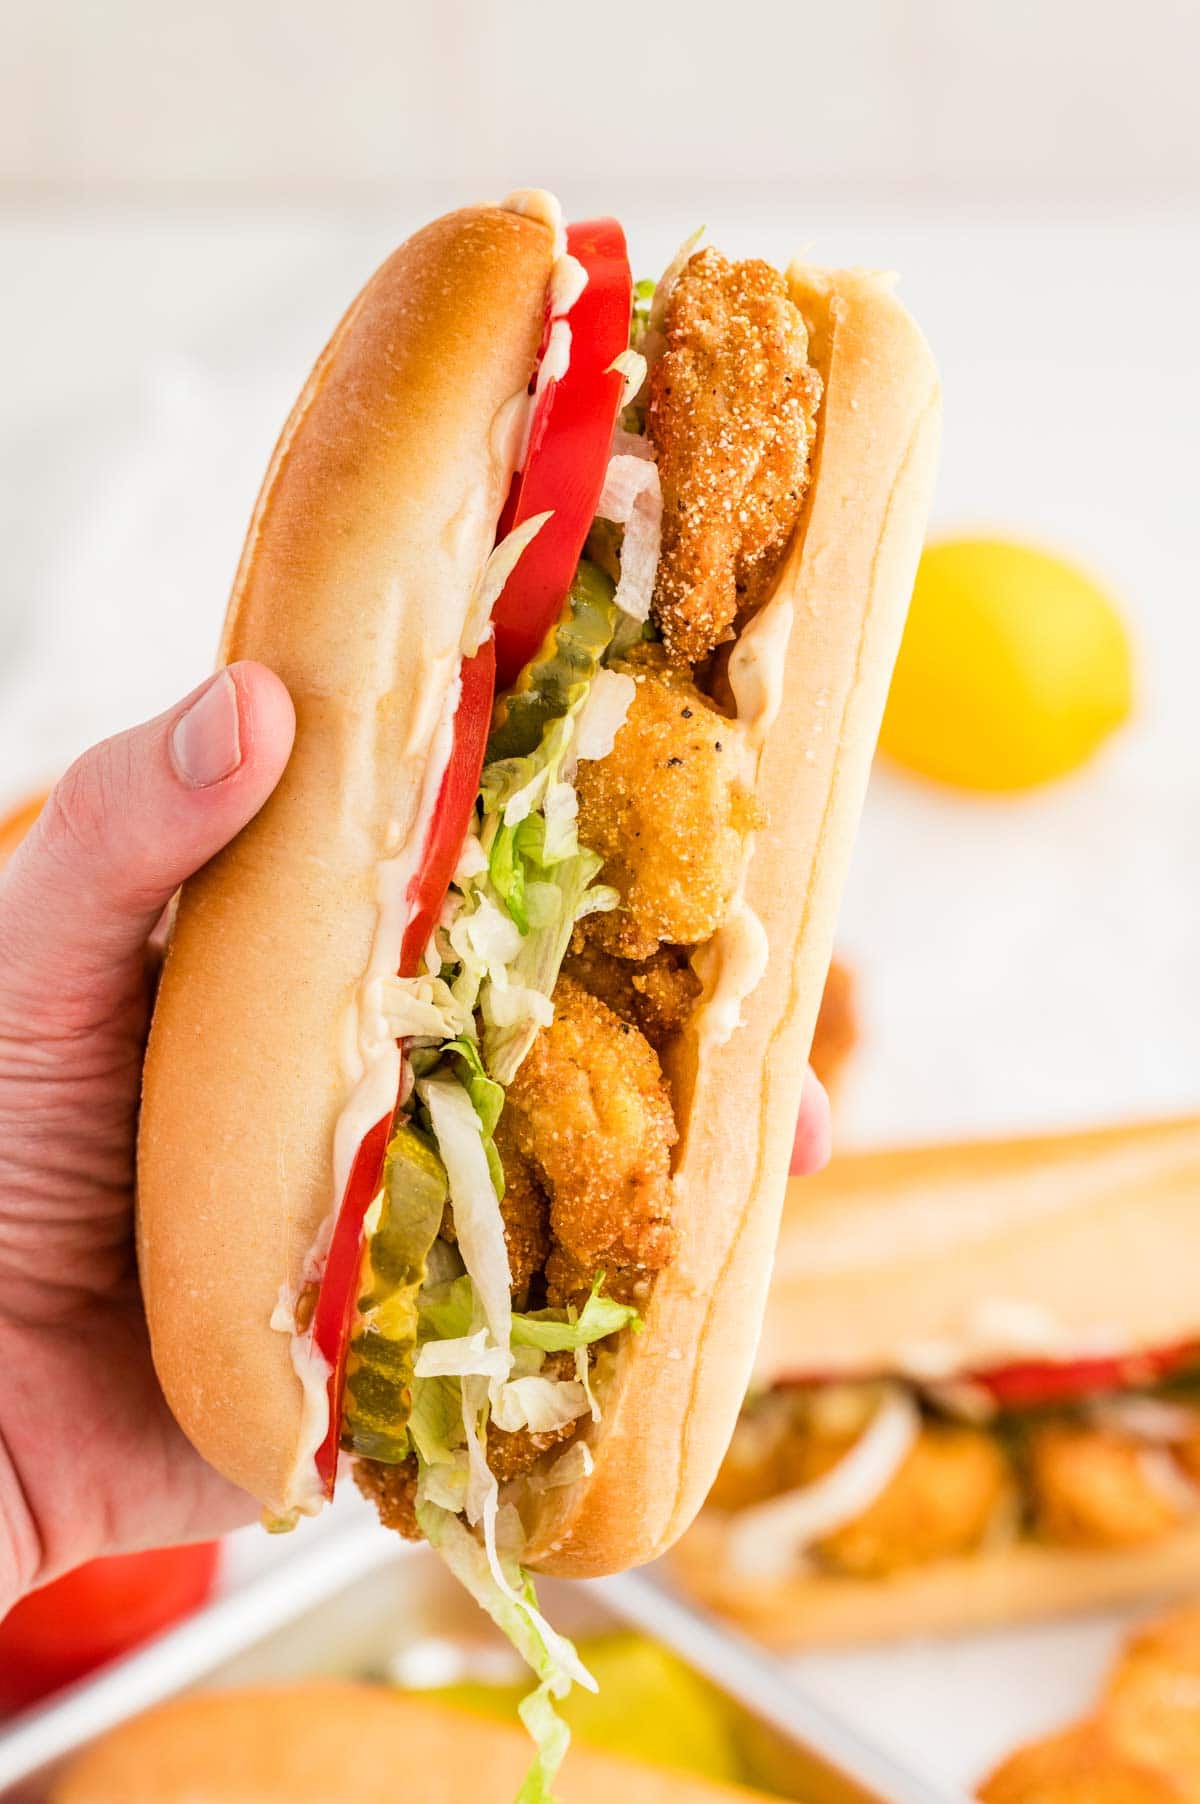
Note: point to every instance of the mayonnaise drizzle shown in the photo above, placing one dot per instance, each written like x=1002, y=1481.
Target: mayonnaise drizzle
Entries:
x=371, y=1057
x=568, y=279
x=733, y=963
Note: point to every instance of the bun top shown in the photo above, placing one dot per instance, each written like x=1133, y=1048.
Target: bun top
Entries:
x=931, y=1261
x=314, y=1744
x=375, y=519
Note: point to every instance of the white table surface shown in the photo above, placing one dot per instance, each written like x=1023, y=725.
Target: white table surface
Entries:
x=1023, y=963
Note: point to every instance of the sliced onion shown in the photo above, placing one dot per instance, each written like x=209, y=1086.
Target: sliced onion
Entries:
x=767, y=1539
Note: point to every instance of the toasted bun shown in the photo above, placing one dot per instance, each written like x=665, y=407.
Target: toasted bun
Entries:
x=324, y=1743
x=939, y=1259
x=957, y=1257
x=674, y=1399
x=375, y=518
x=1018, y=1583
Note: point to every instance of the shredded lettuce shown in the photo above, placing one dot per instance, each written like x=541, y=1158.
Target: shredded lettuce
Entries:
x=487, y=1100
x=600, y=1316
x=477, y=1220
x=495, y=1580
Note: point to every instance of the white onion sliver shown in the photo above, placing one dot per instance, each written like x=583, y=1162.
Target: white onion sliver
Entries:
x=766, y=1539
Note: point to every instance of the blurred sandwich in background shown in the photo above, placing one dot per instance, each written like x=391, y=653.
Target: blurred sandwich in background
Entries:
x=978, y=1392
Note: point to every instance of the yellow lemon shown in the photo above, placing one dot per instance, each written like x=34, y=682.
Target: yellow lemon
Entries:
x=1015, y=666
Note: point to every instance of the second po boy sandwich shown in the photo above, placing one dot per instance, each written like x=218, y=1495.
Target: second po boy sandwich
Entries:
x=978, y=1393
x=477, y=1056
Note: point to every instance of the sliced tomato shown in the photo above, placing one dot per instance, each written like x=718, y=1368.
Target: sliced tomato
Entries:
x=568, y=449
x=452, y=811
x=338, y=1295
x=1034, y=1383
x=96, y=1613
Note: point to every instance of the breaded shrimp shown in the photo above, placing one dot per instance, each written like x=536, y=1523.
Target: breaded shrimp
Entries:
x=731, y=414
x=942, y=1501
x=656, y=994
x=393, y=1491
x=1152, y=1705
x=1097, y=1487
x=590, y=1112
x=1080, y=1765
x=525, y=1211
x=668, y=813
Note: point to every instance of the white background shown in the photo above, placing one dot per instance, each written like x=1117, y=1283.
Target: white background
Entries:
x=187, y=199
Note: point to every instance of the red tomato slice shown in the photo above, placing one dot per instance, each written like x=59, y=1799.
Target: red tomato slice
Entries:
x=568, y=450
x=456, y=799
x=1038, y=1382
x=94, y=1614
x=338, y=1294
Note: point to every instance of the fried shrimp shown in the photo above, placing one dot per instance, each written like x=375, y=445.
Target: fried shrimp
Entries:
x=525, y=1211
x=941, y=1502
x=731, y=412
x=393, y=1491
x=1152, y=1705
x=1081, y=1765
x=591, y=1114
x=668, y=814
x=1095, y=1487
x=655, y=994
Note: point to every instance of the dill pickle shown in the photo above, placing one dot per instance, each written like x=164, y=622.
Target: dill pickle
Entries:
x=568, y=660
x=378, y=1396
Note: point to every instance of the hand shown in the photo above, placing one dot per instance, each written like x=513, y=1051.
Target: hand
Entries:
x=91, y=1460
x=814, y=1134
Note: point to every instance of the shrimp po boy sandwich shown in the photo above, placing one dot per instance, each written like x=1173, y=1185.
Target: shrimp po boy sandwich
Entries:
x=477, y=1056
x=978, y=1393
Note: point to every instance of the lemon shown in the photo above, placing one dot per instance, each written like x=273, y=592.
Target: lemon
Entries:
x=1015, y=667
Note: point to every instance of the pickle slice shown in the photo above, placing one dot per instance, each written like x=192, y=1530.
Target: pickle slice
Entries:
x=379, y=1366
x=569, y=659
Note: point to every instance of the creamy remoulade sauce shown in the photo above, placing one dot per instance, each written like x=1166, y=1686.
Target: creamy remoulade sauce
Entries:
x=731, y=965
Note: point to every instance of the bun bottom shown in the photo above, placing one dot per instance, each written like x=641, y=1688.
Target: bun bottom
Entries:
x=1024, y=1582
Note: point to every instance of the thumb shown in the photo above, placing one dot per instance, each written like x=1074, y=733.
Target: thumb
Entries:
x=127, y=823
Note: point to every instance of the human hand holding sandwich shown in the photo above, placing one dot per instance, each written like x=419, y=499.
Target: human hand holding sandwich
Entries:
x=91, y=1460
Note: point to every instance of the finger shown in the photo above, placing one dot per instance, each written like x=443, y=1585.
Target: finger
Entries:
x=813, y=1143
x=127, y=824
